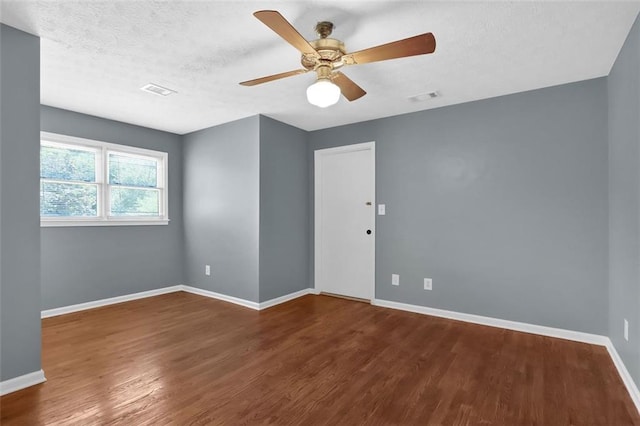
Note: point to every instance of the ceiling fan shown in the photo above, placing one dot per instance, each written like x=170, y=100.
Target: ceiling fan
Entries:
x=327, y=55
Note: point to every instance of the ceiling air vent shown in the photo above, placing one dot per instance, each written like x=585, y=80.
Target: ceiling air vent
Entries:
x=424, y=96
x=157, y=90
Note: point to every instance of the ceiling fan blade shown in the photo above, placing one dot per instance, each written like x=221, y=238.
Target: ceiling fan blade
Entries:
x=272, y=77
x=284, y=29
x=412, y=46
x=349, y=89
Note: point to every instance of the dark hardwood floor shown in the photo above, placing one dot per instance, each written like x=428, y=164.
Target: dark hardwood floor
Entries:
x=184, y=359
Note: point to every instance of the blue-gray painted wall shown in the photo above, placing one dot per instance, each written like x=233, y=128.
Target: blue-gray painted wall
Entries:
x=87, y=263
x=221, y=206
x=20, y=212
x=284, y=209
x=624, y=201
x=246, y=210
x=502, y=202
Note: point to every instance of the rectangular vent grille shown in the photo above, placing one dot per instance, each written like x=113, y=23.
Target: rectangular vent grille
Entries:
x=424, y=96
x=157, y=90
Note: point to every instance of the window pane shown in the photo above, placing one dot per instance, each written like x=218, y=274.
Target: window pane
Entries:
x=135, y=202
x=68, y=199
x=67, y=164
x=133, y=171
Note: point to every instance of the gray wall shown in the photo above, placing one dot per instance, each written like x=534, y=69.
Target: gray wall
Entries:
x=82, y=264
x=20, y=217
x=503, y=202
x=284, y=209
x=624, y=198
x=221, y=206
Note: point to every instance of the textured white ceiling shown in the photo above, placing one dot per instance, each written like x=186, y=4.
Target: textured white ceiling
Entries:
x=97, y=54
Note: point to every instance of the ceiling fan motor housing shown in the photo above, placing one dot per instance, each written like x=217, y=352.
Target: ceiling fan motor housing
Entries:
x=329, y=50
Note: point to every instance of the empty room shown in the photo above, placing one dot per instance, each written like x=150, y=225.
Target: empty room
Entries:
x=319, y=212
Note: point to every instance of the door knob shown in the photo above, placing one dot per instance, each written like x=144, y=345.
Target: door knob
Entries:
x=368, y=231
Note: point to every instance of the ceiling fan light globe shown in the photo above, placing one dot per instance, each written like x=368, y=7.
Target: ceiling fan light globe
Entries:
x=323, y=93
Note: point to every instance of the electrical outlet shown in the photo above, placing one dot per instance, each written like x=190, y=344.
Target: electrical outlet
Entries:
x=428, y=283
x=626, y=330
x=207, y=270
x=395, y=279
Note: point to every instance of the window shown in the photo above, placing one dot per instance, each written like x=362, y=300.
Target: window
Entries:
x=85, y=182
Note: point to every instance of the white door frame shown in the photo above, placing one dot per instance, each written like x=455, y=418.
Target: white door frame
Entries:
x=366, y=146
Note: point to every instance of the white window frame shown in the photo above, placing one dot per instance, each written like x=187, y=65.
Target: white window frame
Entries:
x=102, y=150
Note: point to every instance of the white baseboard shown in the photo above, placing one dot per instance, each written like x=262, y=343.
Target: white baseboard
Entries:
x=594, y=339
x=220, y=296
x=110, y=301
x=244, y=302
x=624, y=374
x=21, y=382
x=128, y=297
x=285, y=298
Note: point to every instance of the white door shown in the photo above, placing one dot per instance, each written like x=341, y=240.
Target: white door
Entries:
x=345, y=220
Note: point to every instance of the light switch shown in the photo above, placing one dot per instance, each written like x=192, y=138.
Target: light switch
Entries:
x=381, y=210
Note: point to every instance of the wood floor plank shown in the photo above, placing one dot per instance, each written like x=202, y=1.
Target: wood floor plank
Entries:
x=182, y=359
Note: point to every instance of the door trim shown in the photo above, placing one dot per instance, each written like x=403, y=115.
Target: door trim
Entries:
x=317, y=185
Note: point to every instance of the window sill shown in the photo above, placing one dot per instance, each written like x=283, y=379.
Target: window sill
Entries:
x=51, y=223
